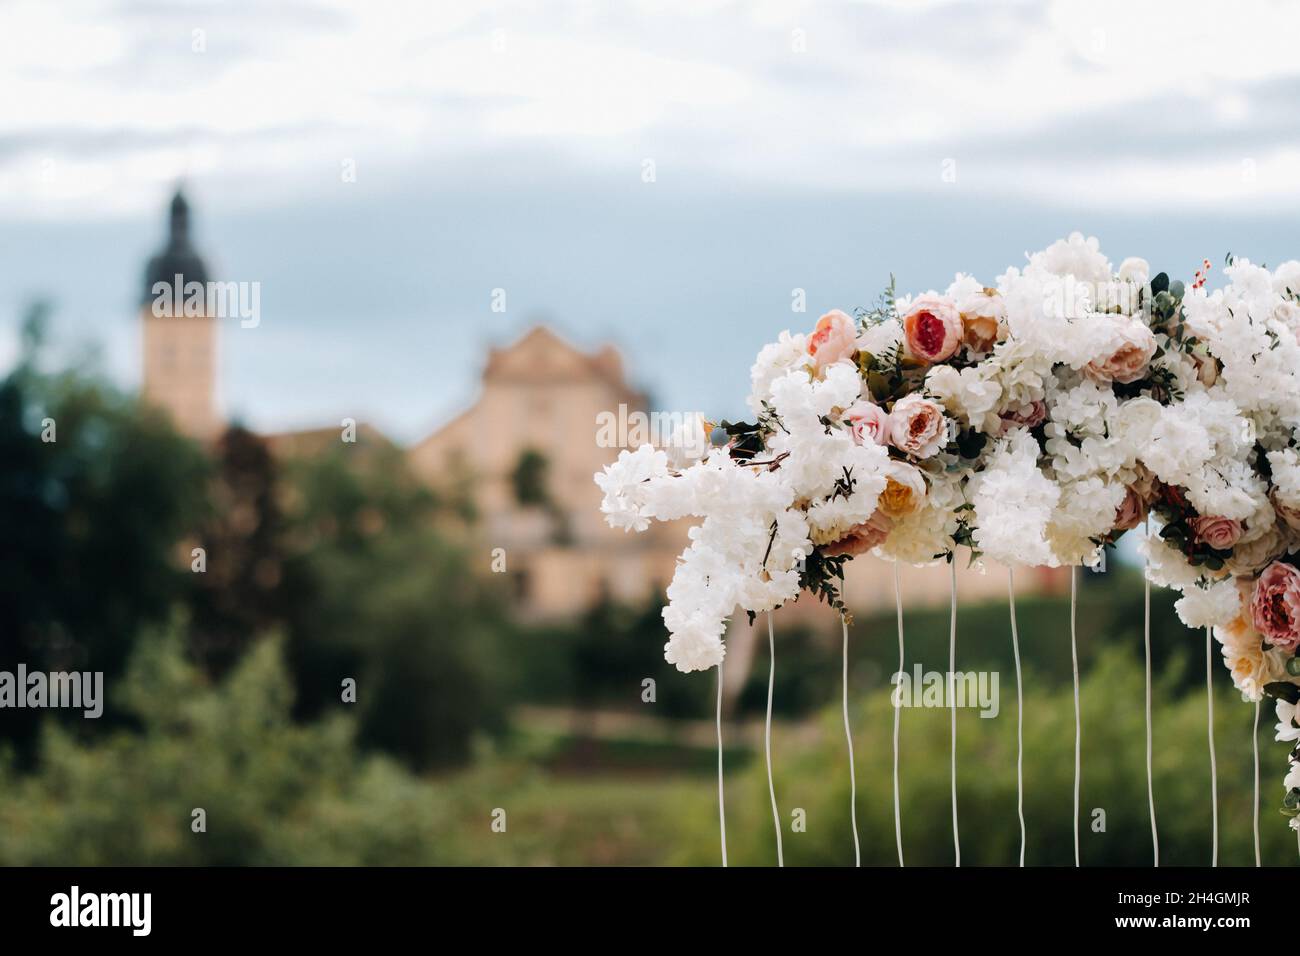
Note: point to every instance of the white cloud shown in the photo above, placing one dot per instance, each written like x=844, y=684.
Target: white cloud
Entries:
x=104, y=108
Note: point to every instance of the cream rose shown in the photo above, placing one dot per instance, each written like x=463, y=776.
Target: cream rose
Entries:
x=834, y=339
x=1129, y=357
x=904, y=490
x=932, y=328
x=1288, y=513
x=917, y=426
x=983, y=319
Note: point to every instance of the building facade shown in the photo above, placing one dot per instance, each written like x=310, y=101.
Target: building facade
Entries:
x=528, y=447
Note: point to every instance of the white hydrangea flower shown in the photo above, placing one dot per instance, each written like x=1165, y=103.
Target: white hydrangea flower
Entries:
x=1211, y=606
x=1014, y=502
x=776, y=360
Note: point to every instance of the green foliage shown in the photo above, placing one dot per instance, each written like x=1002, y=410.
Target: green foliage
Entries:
x=347, y=553
x=528, y=479
x=92, y=521
x=815, y=778
x=274, y=792
x=600, y=660
x=241, y=594
x=376, y=593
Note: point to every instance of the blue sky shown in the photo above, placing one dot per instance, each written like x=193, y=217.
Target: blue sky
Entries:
x=503, y=146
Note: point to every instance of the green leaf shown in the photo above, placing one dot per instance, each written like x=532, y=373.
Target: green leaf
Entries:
x=1283, y=690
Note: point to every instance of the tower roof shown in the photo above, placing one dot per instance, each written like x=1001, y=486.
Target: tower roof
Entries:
x=178, y=256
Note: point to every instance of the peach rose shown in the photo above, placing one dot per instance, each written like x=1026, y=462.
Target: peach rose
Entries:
x=1241, y=627
x=932, y=328
x=982, y=317
x=1289, y=515
x=1132, y=511
x=1275, y=606
x=863, y=537
x=1128, y=361
x=917, y=426
x=1024, y=415
x=904, y=490
x=834, y=339
x=1216, y=532
x=868, y=423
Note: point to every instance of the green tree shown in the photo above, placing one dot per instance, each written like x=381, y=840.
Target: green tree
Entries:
x=272, y=791
x=380, y=595
x=240, y=594
x=96, y=495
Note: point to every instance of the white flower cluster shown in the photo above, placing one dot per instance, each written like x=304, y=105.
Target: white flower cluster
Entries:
x=1032, y=421
x=760, y=513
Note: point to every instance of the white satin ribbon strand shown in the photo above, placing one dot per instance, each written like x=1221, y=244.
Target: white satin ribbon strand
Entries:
x=767, y=737
x=898, y=711
x=722, y=806
x=848, y=736
x=952, y=701
x=1020, y=716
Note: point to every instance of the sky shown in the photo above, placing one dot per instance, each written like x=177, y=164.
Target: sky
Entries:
x=658, y=175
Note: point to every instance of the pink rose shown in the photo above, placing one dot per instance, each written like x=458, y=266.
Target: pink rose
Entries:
x=834, y=339
x=1216, y=532
x=1024, y=415
x=1127, y=361
x=861, y=538
x=868, y=423
x=917, y=426
x=1131, y=511
x=933, y=329
x=1275, y=607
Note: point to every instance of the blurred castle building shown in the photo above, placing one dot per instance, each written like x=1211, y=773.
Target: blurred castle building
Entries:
x=528, y=447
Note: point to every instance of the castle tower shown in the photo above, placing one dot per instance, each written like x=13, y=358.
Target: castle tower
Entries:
x=179, y=346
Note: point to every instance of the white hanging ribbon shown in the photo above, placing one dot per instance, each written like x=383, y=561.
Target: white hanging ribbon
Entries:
x=952, y=699
x=1254, y=741
x=1214, y=770
x=898, y=710
x=848, y=736
x=722, y=807
x=1020, y=717
x=1078, y=722
x=1146, y=640
x=767, y=737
